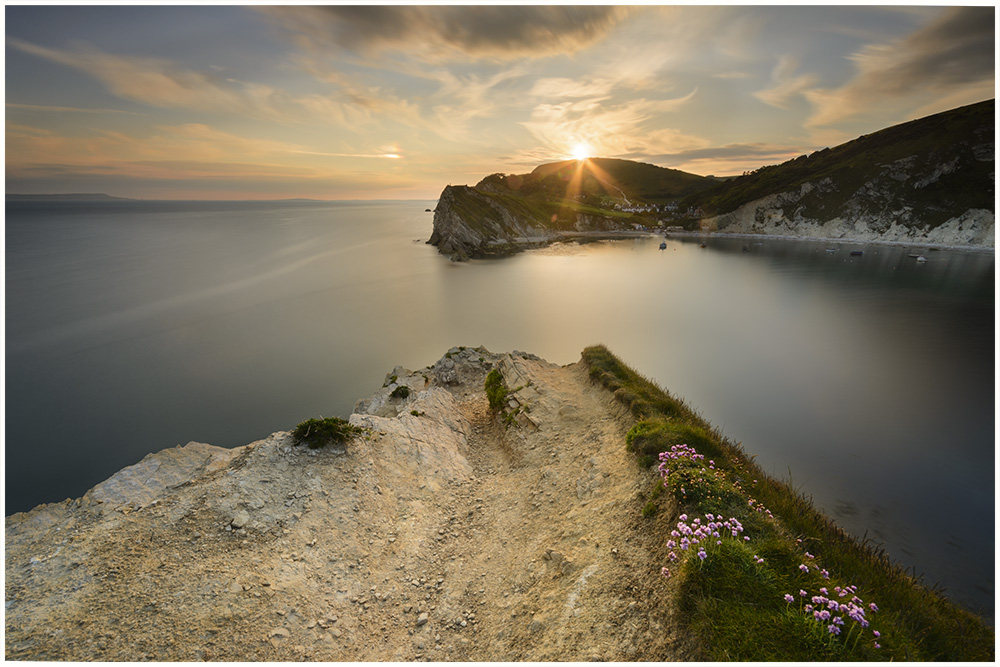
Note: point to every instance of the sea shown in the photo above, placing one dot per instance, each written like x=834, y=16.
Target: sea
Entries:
x=866, y=381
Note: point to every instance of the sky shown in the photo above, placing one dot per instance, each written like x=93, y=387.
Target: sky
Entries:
x=380, y=102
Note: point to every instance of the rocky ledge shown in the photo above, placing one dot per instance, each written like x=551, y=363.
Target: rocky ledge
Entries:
x=443, y=533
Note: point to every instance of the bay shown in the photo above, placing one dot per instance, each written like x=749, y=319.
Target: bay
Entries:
x=868, y=381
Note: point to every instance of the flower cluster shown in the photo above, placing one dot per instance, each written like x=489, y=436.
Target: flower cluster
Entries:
x=684, y=470
x=679, y=452
x=831, y=609
x=689, y=536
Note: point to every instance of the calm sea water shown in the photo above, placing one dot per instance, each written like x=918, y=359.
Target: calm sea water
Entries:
x=135, y=326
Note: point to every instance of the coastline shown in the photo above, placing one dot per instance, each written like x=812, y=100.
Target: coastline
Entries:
x=530, y=243
x=821, y=239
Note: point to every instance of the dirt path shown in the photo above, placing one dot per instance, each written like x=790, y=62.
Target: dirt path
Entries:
x=524, y=543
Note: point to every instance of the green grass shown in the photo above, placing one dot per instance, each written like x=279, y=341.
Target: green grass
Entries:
x=496, y=390
x=735, y=605
x=928, y=142
x=321, y=432
x=598, y=178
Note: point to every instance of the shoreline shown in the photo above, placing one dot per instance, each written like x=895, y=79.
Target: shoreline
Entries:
x=531, y=243
x=840, y=241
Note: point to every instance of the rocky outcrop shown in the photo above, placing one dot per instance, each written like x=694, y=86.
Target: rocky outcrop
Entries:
x=441, y=534
x=484, y=222
x=873, y=213
x=927, y=182
x=469, y=223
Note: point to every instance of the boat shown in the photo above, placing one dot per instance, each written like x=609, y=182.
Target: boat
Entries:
x=831, y=250
x=914, y=255
x=703, y=245
x=857, y=253
x=921, y=259
x=663, y=246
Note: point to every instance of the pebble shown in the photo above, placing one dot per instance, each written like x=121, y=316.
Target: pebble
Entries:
x=279, y=632
x=422, y=619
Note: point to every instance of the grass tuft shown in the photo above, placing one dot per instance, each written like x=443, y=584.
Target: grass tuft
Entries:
x=321, y=432
x=496, y=390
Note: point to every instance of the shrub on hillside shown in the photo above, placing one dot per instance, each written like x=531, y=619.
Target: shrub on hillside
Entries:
x=321, y=432
x=496, y=390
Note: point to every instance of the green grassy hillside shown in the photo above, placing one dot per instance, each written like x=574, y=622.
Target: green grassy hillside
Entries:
x=757, y=567
x=599, y=181
x=940, y=165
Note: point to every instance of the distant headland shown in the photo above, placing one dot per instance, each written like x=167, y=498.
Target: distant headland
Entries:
x=928, y=182
x=71, y=196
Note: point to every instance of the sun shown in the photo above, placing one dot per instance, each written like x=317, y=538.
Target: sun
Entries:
x=581, y=151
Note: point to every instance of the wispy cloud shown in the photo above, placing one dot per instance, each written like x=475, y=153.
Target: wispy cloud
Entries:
x=380, y=156
x=728, y=159
x=449, y=33
x=611, y=128
x=163, y=84
x=191, y=157
x=561, y=87
x=957, y=50
x=786, y=84
x=57, y=109
x=200, y=144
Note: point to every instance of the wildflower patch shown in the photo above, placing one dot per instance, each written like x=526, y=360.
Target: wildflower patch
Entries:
x=697, y=483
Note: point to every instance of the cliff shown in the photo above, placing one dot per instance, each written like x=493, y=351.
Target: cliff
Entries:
x=470, y=223
x=781, y=215
x=461, y=526
x=929, y=181
x=439, y=535
x=480, y=222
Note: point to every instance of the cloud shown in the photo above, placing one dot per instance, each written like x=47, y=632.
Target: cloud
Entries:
x=449, y=33
x=198, y=144
x=954, y=52
x=729, y=159
x=190, y=158
x=569, y=88
x=786, y=85
x=163, y=84
x=57, y=109
x=611, y=128
x=752, y=152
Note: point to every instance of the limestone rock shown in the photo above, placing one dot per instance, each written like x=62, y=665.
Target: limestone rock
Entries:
x=240, y=519
x=469, y=223
x=142, y=483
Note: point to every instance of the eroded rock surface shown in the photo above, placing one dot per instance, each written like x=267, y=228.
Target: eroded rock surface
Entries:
x=440, y=535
